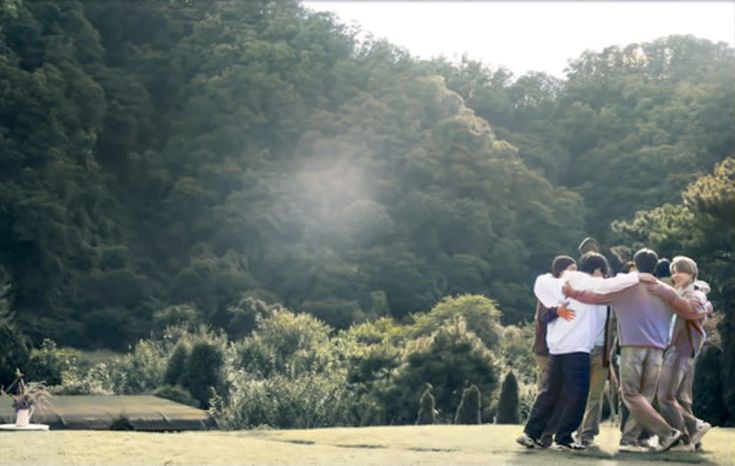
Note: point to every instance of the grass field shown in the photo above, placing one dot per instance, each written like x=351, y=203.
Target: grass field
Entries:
x=445, y=445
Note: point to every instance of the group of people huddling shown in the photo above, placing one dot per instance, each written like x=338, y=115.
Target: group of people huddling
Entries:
x=659, y=333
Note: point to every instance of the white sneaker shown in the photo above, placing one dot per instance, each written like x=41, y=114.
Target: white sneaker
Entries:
x=667, y=442
x=632, y=448
x=702, y=428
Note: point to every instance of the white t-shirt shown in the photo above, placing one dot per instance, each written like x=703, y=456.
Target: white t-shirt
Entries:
x=588, y=326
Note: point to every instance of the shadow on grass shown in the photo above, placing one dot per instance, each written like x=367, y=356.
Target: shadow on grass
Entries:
x=525, y=455
x=359, y=445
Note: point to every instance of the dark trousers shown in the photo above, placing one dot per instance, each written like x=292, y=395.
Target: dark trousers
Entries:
x=559, y=407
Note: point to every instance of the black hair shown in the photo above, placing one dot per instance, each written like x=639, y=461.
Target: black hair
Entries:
x=663, y=268
x=560, y=264
x=646, y=260
x=588, y=245
x=591, y=261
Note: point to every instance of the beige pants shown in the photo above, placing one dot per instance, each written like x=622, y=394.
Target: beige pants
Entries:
x=542, y=363
x=639, y=371
x=593, y=412
x=675, y=391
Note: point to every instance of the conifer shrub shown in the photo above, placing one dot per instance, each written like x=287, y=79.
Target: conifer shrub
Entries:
x=427, y=412
x=468, y=411
x=508, y=411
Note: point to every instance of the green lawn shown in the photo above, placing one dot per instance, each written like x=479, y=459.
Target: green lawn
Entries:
x=445, y=445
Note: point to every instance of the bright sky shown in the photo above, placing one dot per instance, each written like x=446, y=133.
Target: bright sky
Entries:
x=531, y=36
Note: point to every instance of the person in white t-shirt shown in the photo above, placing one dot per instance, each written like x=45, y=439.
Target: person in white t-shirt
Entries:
x=559, y=406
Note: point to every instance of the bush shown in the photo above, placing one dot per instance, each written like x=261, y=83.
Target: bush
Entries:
x=15, y=348
x=49, y=361
x=447, y=360
x=204, y=372
x=307, y=401
x=508, y=411
x=94, y=381
x=517, y=347
x=427, y=410
x=140, y=371
x=177, y=394
x=480, y=314
x=709, y=401
x=469, y=411
x=176, y=365
x=288, y=344
x=183, y=315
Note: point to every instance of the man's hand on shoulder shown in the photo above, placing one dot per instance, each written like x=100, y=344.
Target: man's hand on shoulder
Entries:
x=647, y=278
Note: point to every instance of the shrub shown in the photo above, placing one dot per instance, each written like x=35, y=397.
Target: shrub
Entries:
x=709, y=402
x=204, y=372
x=517, y=347
x=427, y=410
x=446, y=360
x=49, y=361
x=176, y=365
x=286, y=343
x=183, y=315
x=480, y=314
x=140, y=371
x=177, y=394
x=469, y=411
x=508, y=411
x=94, y=381
x=15, y=348
x=306, y=401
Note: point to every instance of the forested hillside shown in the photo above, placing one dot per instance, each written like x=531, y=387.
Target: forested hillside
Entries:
x=164, y=153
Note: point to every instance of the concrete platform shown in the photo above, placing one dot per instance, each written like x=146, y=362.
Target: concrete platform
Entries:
x=13, y=427
x=144, y=413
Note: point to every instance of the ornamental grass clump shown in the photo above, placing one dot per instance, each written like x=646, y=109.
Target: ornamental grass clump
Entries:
x=27, y=395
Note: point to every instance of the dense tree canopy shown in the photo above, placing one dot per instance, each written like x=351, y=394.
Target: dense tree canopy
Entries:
x=167, y=161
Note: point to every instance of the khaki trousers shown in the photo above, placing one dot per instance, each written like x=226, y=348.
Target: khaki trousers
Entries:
x=674, y=391
x=542, y=363
x=639, y=372
x=593, y=412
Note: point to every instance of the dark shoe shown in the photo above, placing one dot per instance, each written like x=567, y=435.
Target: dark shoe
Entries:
x=546, y=440
x=527, y=441
x=587, y=441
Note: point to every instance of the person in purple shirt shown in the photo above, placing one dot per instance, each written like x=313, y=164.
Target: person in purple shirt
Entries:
x=643, y=328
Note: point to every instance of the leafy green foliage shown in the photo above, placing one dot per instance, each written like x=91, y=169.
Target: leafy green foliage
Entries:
x=49, y=361
x=450, y=358
x=306, y=401
x=702, y=226
x=192, y=163
x=479, y=313
x=203, y=375
x=15, y=349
